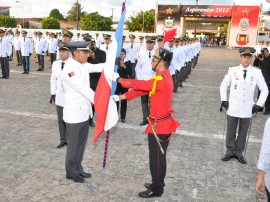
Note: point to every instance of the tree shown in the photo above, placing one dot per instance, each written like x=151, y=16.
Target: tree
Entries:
x=56, y=14
x=143, y=21
x=96, y=22
x=6, y=21
x=50, y=23
x=74, y=11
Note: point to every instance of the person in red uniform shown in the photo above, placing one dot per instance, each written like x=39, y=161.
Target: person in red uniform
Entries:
x=161, y=122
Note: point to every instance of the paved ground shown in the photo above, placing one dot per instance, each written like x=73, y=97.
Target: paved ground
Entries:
x=32, y=169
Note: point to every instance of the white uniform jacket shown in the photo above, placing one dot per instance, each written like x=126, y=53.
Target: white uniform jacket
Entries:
x=132, y=52
x=52, y=44
x=78, y=95
x=41, y=46
x=175, y=63
x=105, y=48
x=56, y=82
x=242, y=91
x=26, y=46
x=143, y=67
x=5, y=47
x=16, y=42
x=264, y=160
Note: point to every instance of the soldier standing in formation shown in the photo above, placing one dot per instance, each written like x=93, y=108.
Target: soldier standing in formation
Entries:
x=17, y=47
x=27, y=50
x=57, y=92
x=41, y=48
x=5, y=53
x=242, y=81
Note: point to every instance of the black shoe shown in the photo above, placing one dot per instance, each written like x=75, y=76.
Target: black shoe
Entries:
x=227, y=157
x=143, y=123
x=24, y=73
x=76, y=179
x=149, y=193
x=241, y=159
x=18, y=65
x=147, y=185
x=266, y=112
x=261, y=109
x=85, y=175
x=38, y=70
x=123, y=120
x=61, y=145
x=2, y=77
x=92, y=124
x=6, y=77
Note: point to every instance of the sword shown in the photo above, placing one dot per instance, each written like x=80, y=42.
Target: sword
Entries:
x=157, y=139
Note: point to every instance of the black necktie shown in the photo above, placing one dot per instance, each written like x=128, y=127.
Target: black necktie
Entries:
x=131, y=46
x=149, y=54
x=62, y=66
x=106, y=47
x=245, y=74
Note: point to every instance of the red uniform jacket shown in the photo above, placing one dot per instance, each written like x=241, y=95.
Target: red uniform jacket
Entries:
x=160, y=102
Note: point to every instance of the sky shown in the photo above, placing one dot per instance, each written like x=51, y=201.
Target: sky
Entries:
x=35, y=8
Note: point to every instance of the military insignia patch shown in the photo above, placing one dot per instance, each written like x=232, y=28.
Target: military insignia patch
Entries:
x=71, y=74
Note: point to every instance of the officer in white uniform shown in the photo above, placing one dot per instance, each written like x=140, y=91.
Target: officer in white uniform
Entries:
x=5, y=53
x=107, y=44
x=263, y=176
x=27, y=50
x=124, y=44
x=67, y=37
x=242, y=81
x=142, y=44
x=17, y=47
x=52, y=47
x=57, y=92
x=99, y=40
x=78, y=100
x=132, y=53
x=144, y=72
x=41, y=47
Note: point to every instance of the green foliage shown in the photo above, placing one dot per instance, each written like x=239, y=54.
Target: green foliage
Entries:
x=50, y=23
x=74, y=11
x=143, y=21
x=96, y=22
x=56, y=14
x=6, y=21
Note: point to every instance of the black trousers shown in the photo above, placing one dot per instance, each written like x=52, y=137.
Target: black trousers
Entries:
x=267, y=194
x=40, y=61
x=176, y=79
x=236, y=145
x=133, y=65
x=157, y=161
x=61, y=124
x=77, y=135
x=4, y=66
x=145, y=106
x=19, y=57
x=123, y=106
x=52, y=57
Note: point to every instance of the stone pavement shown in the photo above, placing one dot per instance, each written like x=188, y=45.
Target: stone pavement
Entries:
x=32, y=169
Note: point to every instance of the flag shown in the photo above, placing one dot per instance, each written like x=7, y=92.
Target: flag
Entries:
x=105, y=106
x=169, y=35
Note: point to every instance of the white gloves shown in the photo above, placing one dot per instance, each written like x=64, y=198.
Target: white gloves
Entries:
x=115, y=98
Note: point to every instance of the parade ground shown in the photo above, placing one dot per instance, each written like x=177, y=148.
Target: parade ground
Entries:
x=32, y=169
